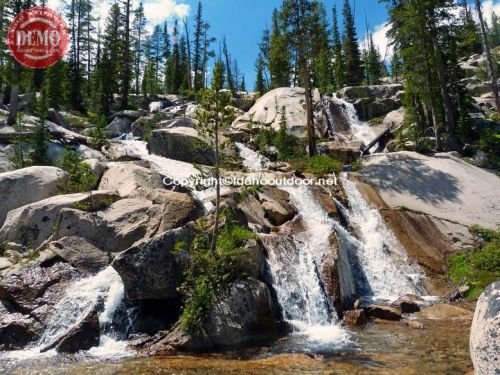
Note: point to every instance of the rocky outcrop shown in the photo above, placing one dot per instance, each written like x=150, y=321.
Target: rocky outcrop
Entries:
x=57, y=118
x=153, y=269
x=181, y=143
x=32, y=224
x=484, y=338
x=245, y=315
x=372, y=101
x=130, y=180
x=347, y=151
x=27, y=185
x=267, y=112
x=408, y=304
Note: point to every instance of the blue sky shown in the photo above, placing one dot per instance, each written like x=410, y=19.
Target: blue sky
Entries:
x=242, y=21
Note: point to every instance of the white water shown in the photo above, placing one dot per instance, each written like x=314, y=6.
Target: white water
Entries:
x=295, y=264
x=251, y=159
x=359, y=129
x=387, y=271
x=79, y=300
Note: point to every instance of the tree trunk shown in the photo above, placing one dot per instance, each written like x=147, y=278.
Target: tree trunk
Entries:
x=126, y=58
x=14, y=94
x=188, y=43
x=489, y=56
x=215, y=231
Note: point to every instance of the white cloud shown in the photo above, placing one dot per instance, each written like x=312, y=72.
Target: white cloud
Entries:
x=490, y=6
x=381, y=40
x=157, y=11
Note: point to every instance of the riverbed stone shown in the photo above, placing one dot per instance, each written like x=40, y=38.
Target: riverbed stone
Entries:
x=485, y=336
x=383, y=312
x=356, y=318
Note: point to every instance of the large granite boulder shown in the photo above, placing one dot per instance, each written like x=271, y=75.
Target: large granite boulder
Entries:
x=130, y=180
x=267, y=111
x=120, y=125
x=16, y=330
x=28, y=185
x=181, y=143
x=484, y=336
x=153, y=269
x=245, y=315
x=34, y=223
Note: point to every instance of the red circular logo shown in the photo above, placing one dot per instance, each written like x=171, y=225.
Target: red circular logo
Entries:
x=38, y=37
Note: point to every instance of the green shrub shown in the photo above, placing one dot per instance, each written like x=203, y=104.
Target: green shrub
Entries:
x=80, y=175
x=477, y=268
x=319, y=165
x=209, y=274
x=99, y=135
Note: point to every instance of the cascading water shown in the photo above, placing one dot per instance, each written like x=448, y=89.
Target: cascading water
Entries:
x=359, y=129
x=251, y=159
x=105, y=292
x=383, y=269
x=294, y=263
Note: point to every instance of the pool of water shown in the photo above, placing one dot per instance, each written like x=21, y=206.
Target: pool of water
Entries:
x=442, y=347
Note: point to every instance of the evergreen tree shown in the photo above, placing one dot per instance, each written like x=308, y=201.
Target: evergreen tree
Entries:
x=468, y=33
x=139, y=36
x=494, y=31
x=57, y=85
x=38, y=155
x=126, y=55
x=260, y=84
x=338, y=58
x=231, y=83
x=198, y=48
x=372, y=62
x=351, y=52
x=279, y=56
x=213, y=114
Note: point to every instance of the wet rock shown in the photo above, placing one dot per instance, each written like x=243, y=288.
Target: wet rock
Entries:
x=16, y=330
x=395, y=118
x=153, y=269
x=83, y=336
x=485, y=338
x=34, y=223
x=415, y=324
x=408, y=304
x=244, y=316
x=181, y=143
x=253, y=211
x=33, y=289
x=130, y=180
x=383, y=312
x=28, y=185
x=356, y=318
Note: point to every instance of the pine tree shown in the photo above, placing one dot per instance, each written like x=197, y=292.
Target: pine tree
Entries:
x=231, y=84
x=126, y=55
x=213, y=114
x=351, y=52
x=338, y=58
x=198, y=48
x=372, y=62
x=279, y=56
x=260, y=84
x=468, y=33
x=38, y=155
x=494, y=31
x=139, y=35
x=57, y=85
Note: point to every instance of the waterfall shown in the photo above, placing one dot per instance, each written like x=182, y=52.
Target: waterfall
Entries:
x=359, y=129
x=103, y=291
x=383, y=270
x=251, y=159
x=295, y=262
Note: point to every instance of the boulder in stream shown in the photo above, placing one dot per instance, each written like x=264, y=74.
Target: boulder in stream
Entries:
x=485, y=336
x=383, y=312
